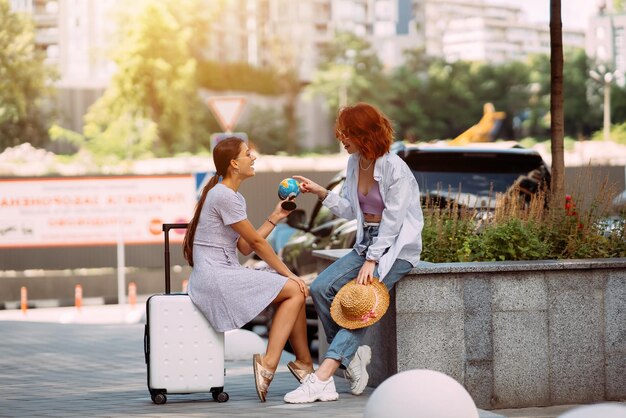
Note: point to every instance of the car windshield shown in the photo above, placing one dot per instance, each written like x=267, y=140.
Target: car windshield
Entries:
x=480, y=184
x=478, y=174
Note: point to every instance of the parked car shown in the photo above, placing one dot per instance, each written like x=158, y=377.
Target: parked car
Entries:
x=470, y=175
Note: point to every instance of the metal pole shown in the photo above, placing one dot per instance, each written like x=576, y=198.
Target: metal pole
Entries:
x=121, y=271
x=607, y=110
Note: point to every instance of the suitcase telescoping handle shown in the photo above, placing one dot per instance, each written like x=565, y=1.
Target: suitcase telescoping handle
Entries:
x=166, y=229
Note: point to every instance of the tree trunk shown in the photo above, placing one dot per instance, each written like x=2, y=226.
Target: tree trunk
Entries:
x=557, y=197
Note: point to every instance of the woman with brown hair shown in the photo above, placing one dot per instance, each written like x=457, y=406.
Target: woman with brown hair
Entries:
x=381, y=193
x=230, y=295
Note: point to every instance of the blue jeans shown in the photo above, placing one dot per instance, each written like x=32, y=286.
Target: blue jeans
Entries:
x=344, y=342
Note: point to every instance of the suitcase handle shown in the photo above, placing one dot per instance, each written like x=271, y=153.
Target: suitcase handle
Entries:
x=166, y=229
x=146, y=343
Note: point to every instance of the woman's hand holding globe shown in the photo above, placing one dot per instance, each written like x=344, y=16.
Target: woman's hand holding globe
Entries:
x=288, y=189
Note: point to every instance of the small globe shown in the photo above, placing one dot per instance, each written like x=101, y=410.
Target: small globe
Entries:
x=288, y=188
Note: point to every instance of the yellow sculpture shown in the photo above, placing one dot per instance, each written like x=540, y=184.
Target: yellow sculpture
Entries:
x=484, y=129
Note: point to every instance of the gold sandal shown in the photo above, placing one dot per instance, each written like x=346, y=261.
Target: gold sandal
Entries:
x=262, y=377
x=299, y=372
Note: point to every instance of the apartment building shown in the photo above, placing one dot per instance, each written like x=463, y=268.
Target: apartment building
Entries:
x=287, y=33
x=73, y=34
x=499, y=41
x=605, y=39
x=478, y=30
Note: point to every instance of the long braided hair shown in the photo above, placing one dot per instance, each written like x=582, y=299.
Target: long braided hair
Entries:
x=223, y=153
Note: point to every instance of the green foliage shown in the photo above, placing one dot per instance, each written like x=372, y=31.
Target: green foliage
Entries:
x=568, y=143
x=510, y=239
x=350, y=70
x=430, y=98
x=445, y=234
x=151, y=105
x=618, y=134
x=437, y=99
x=239, y=76
x=25, y=82
x=525, y=231
x=110, y=144
x=266, y=129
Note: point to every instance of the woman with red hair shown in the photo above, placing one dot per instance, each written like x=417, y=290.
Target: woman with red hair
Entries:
x=381, y=193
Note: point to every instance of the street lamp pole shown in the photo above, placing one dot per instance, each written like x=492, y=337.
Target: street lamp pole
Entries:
x=607, y=78
x=607, y=108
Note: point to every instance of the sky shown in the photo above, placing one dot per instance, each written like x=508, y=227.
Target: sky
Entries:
x=575, y=14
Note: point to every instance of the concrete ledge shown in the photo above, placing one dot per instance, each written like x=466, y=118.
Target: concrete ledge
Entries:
x=515, y=334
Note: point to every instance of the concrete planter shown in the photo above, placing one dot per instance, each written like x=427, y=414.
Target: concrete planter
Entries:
x=515, y=334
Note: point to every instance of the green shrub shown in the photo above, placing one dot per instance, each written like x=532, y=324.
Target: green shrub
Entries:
x=618, y=133
x=511, y=239
x=444, y=235
x=522, y=229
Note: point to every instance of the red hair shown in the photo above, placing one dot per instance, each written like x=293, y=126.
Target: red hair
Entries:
x=369, y=129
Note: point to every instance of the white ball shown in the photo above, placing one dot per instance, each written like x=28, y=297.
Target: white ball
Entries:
x=241, y=344
x=420, y=393
x=604, y=410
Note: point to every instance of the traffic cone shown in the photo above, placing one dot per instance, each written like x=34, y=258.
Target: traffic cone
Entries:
x=132, y=294
x=24, y=299
x=78, y=296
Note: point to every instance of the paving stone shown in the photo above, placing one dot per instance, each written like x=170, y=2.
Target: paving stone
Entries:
x=95, y=370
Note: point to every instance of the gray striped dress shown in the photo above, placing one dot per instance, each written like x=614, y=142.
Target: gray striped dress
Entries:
x=228, y=294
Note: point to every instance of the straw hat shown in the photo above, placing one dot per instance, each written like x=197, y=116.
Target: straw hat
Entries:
x=358, y=306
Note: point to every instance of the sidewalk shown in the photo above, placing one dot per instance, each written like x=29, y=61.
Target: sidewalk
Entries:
x=93, y=365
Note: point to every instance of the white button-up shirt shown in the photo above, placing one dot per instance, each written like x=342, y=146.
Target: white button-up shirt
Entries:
x=400, y=230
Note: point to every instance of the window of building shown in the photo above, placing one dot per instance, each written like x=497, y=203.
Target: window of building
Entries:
x=383, y=10
x=384, y=29
x=618, y=39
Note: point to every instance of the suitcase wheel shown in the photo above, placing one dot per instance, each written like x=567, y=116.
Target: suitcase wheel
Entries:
x=160, y=398
x=220, y=396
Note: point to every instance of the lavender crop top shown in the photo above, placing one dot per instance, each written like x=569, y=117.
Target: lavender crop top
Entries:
x=373, y=202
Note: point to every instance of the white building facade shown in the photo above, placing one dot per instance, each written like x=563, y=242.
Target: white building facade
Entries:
x=605, y=40
x=74, y=34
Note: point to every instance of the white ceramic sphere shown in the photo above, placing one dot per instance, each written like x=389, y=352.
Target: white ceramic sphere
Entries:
x=603, y=410
x=241, y=344
x=420, y=393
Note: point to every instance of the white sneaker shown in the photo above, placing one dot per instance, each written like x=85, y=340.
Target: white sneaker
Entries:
x=313, y=389
x=356, y=373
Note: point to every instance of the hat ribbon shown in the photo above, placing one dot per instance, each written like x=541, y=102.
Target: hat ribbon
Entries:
x=372, y=313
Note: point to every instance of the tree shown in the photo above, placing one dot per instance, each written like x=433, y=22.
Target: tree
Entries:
x=152, y=104
x=267, y=129
x=349, y=72
x=556, y=105
x=408, y=92
x=238, y=76
x=285, y=62
x=432, y=98
x=25, y=82
x=582, y=112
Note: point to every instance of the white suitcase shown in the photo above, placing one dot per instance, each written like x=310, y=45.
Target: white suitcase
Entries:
x=184, y=354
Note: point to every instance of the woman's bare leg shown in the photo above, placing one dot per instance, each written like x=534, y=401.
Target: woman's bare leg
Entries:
x=299, y=341
x=289, y=303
